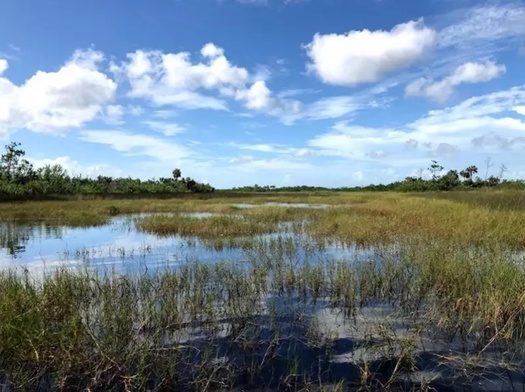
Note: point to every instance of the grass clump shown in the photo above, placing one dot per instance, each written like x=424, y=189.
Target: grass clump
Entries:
x=207, y=227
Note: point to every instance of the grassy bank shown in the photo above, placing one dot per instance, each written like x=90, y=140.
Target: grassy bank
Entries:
x=438, y=302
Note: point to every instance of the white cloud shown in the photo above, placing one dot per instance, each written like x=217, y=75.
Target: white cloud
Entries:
x=275, y=149
x=167, y=129
x=75, y=168
x=137, y=144
x=483, y=28
x=367, y=56
x=258, y=97
x=114, y=114
x=53, y=102
x=466, y=73
x=333, y=107
x=242, y=159
x=3, y=66
x=172, y=78
x=519, y=110
x=439, y=133
x=304, y=152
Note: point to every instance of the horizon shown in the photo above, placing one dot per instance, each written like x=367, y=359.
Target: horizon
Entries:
x=275, y=92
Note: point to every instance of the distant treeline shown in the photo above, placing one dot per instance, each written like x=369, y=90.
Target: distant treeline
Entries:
x=439, y=181
x=20, y=180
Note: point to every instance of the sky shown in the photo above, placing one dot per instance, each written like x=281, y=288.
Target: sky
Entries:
x=268, y=92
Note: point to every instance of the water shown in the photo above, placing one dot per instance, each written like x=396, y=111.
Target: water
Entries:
x=119, y=246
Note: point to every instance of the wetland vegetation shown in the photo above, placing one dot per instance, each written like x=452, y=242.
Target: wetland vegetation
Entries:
x=352, y=291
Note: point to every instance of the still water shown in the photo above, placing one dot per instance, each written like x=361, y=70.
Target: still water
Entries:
x=119, y=246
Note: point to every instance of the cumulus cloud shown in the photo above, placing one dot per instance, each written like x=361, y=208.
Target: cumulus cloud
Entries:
x=258, y=97
x=53, y=102
x=175, y=79
x=3, y=66
x=442, y=90
x=172, y=78
x=367, y=56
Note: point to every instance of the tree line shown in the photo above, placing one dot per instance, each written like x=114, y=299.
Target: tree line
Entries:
x=439, y=180
x=19, y=179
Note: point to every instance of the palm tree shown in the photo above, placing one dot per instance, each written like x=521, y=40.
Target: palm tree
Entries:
x=469, y=172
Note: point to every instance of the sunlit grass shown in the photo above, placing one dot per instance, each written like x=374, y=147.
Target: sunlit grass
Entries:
x=210, y=226
x=388, y=220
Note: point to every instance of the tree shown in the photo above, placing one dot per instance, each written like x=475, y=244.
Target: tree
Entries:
x=488, y=165
x=177, y=174
x=468, y=173
x=435, y=168
x=449, y=181
x=502, y=170
x=493, y=181
x=14, y=168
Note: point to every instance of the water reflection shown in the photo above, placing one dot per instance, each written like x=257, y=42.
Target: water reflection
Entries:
x=119, y=246
x=14, y=237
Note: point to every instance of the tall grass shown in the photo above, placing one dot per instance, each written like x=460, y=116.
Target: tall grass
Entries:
x=208, y=327
x=210, y=227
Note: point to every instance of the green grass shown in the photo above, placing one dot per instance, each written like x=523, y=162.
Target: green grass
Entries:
x=449, y=267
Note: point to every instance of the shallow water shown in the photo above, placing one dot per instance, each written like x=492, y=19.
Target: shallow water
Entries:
x=119, y=246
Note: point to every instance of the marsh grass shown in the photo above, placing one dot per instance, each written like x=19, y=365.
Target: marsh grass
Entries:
x=215, y=226
x=447, y=270
x=225, y=326
x=381, y=221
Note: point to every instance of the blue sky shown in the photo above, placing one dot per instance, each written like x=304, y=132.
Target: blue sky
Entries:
x=273, y=92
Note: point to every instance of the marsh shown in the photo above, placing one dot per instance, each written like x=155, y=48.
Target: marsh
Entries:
x=371, y=291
